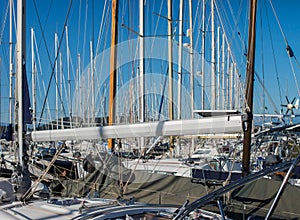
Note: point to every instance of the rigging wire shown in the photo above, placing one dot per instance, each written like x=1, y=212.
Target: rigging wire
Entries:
x=1, y=36
x=201, y=28
x=78, y=25
x=4, y=22
x=233, y=29
x=223, y=29
x=294, y=74
x=236, y=20
x=260, y=81
x=279, y=25
x=132, y=52
x=127, y=74
x=288, y=47
x=149, y=64
x=197, y=40
x=229, y=50
x=31, y=190
x=105, y=42
x=56, y=56
x=41, y=71
x=262, y=65
x=46, y=21
x=101, y=38
x=4, y=52
x=42, y=30
x=155, y=33
x=85, y=30
x=101, y=28
x=273, y=52
x=93, y=23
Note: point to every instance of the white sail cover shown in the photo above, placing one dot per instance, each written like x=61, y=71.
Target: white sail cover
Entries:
x=213, y=125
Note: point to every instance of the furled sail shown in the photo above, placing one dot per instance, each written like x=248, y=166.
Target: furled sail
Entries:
x=213, y=125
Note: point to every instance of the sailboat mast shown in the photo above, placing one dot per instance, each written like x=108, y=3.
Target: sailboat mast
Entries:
x=180, y=59
x=170, y=58
x=113, y=71
x=230, y=85
x=213, y=63
x=249, y=88
x=21, y=48
x=141, y=69
x=78, y=73
x=191, y=62
x=0, y=88
x=56, y=76
x=93, y=81
x=227, y=78
x=191, y=56
x=179, y=90
x=223, y=72
x=33, y=69
x=61, y=90
x=11, y=73
x=141, y=61
x=69, y=77
x=218, y=68
x=203, y=52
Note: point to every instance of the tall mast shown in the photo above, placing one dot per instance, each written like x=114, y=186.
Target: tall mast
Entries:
x=223, y=72
x=236, y=87
x=191, y=63
x=179, y=67
x=141, y=69
x=203, y=52
x=218, y=68
x=180, y=58
x=11, y=73
x=213, y=63
x=249, y=88
x=92, y=81
x=0, y=87
x=33, y=69
x=113, y=70
x=231, y=85
x=61, y=90
x=21, y=48
x=191, y=56
x=78, y=73
x=56, y=76
x=88, y=95
x=227, y=79
x=69, y=77
x=170, y=58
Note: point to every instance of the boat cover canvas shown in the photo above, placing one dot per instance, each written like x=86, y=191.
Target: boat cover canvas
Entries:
x=252, y=199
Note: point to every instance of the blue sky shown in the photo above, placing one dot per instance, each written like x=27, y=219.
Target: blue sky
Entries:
x=86, y=17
